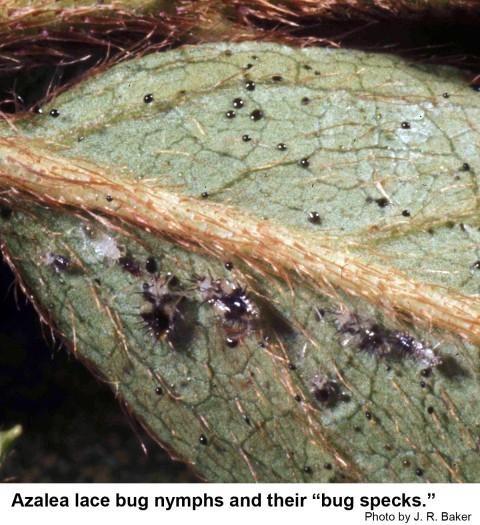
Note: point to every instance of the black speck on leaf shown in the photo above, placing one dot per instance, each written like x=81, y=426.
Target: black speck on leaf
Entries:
x=382, y=202
x=314, y=217
x=256, y=114
x=238, y=103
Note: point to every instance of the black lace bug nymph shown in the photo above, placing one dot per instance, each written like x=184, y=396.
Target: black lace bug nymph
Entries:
x=161, y=311
x=62, y=263
x=325, y=390
x=232, y=305
x=369, y=336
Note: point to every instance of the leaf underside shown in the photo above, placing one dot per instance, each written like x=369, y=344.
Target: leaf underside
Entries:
x=384, y=152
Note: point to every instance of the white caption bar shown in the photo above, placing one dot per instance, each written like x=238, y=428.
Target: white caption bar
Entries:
x=417, y=504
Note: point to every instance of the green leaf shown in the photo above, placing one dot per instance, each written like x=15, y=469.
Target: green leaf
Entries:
x=370, y=369
x=7, y=439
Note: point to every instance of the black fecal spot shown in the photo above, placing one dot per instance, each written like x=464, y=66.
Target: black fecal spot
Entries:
x=157, y=320
x=405, y=125
x=238, y=103
x=419, y=472
x=291, y=366
x=250, y=85
x=183, y=323
x=230, y=114
x=450, y=224
x=277, y=78
x=465, y=166
x=368, y=415
x=248, y=66
x=108, y=198
x=231, y=342
x=426, y=372
x=406, y=463
x=38, y=110
x=305, y=101
x=246, y=419
x=97, y=281
x=54, y=113
x=388, y=448
x=151, y=265
x=298, y=398
x=254, y=57
x=228, y=52
x=304, y=163
x=61, y=262
x=431, y=231
x=452, y=369
x=148, y=98
x=256, y=114
x=476, y=265
x=382, y=202
x=430, y=410
x=317, y=73
x=327, y=466
x=246, y=138
x=446, y=95
x=307, y=67
x=281, y=146
x=314, y=217
x=307, y=470
x=203, y=439
x=159, y=391
x=406, y=213
x=5, y=213
x=423, y=384
x=274, y=323
x=228, y=266
x=130, y=265
x=357, y=428
x=204, y=195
